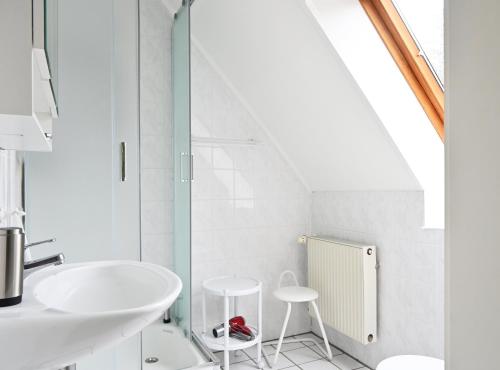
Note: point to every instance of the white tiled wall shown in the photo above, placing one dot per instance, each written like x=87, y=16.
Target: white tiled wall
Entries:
x=248, y=204
x=249, y=207
x=411, y=274
x=10, y=188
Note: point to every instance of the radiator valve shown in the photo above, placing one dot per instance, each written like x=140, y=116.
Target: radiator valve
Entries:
x=302, y=240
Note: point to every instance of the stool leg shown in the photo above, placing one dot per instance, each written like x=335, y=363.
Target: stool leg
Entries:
x=320, y=322
x=259, y=344
x=234, y=313
x=226, y=332
x=280, y=342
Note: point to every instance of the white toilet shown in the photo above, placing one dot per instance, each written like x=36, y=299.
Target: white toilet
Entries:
x=411, y=363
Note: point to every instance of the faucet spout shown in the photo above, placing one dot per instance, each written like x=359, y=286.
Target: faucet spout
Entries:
x=39, y=243
x=56, y=259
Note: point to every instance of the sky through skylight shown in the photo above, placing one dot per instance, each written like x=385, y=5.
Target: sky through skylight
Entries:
x=426, y=21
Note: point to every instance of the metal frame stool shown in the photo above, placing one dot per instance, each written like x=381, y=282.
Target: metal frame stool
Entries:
x=298, y=294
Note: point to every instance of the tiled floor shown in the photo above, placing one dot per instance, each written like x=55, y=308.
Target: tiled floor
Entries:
x=295, y=356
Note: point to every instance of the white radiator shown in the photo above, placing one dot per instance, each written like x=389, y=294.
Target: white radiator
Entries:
x=345, y=276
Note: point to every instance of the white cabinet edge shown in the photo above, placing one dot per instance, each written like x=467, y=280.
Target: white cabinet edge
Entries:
x=32, y=133
x=40, y=58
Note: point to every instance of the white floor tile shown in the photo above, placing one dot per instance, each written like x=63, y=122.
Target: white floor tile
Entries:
x=289, y=346
x=319, y=365
x=307, y=336
x=247, y=365
x=269, y=350
x=335, y=350
x=345, y=362
x=252, y=351
x=302, y=355
x=282, y=363
x=234, y=357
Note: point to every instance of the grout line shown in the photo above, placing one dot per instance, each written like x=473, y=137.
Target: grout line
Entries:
x=246, y=354
x=323, y=356
x=307, y=362
x=239, y=362
x=289, y=367
x=275, y=346
x=289, y=359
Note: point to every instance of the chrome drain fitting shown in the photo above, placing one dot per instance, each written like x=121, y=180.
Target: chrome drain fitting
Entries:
x=151, y=360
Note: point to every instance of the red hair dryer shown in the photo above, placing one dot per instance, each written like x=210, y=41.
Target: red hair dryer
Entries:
x=237, y=329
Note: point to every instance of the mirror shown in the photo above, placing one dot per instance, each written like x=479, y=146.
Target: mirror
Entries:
x=51, y=40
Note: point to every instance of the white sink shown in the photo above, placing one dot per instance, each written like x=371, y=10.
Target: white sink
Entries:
x=70, y=311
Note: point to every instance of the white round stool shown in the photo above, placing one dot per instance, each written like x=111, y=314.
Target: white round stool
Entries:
x=230, y=289
x=298, y=294
x=411, y=363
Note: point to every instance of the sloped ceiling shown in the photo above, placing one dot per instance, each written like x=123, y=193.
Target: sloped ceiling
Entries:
x=287, y=71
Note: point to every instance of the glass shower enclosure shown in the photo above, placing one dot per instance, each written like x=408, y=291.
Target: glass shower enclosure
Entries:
x=183, y=162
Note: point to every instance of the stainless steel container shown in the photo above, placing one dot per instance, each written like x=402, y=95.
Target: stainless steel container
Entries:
x=11, y=265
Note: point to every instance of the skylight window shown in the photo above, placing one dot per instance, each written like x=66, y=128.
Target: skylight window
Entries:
x=412, y=31
x=425, y=20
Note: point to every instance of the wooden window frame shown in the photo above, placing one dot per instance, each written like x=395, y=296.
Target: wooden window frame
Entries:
x=408, y=56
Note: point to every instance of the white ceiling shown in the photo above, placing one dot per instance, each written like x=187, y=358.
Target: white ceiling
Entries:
x=283, y=66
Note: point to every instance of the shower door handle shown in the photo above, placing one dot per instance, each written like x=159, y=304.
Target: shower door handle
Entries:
x=123, y=161
x=187, y=160
x=191, y=165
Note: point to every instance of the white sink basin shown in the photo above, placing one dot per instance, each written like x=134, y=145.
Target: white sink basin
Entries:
x=70, y=311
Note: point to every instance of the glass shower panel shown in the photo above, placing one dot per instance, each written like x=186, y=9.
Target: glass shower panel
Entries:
x=182, y=163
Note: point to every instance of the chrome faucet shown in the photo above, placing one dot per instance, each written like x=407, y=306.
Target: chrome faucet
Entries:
x=40, y=242
x=56, y=259
x=13, y=266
